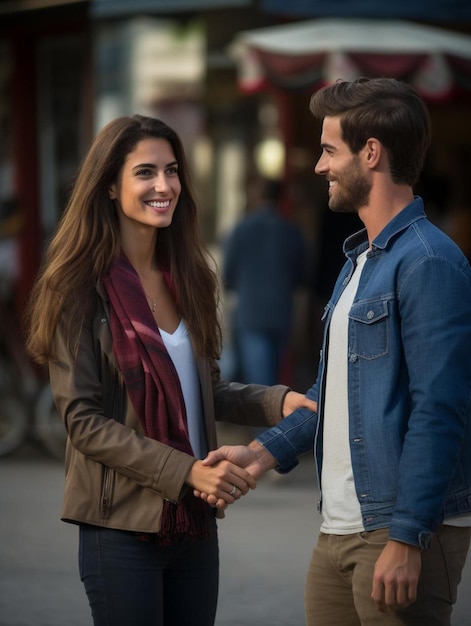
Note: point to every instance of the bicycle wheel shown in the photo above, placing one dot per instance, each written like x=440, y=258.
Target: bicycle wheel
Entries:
x=48, y=425
x=13, y=423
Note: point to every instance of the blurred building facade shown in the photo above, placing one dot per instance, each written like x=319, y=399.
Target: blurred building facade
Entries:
x=68, y=66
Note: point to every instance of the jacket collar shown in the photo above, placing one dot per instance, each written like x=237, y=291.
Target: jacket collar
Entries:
x=358, y=242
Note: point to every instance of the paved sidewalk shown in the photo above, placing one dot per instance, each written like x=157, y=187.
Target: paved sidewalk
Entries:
x=265, y=542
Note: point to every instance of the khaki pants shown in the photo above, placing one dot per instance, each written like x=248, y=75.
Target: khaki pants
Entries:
x=340, y=576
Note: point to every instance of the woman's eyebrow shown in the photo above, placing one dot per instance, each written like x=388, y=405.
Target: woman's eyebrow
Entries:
x=153, y=165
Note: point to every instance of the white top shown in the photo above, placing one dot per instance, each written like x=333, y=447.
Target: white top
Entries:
x=340, y=507
x=179, y=347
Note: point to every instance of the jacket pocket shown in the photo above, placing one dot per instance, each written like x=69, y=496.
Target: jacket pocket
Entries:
x=369, y=329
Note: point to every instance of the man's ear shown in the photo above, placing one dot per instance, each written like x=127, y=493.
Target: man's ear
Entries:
x=374, y=151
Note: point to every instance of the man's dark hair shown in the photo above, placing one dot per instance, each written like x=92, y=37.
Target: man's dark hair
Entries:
x=387, y=109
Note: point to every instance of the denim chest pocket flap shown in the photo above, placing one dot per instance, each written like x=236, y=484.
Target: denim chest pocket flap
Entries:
x=369, y=329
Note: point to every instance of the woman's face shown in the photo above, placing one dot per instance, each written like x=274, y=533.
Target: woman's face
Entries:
x=148, y=186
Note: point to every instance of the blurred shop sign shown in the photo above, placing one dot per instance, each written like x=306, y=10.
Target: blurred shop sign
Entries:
x=121, y=8
x=20, y=6
x=431, y=10
x=167, y=61
x=143, y=62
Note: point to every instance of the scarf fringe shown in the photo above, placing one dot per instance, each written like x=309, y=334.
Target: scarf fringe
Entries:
x=180, y=521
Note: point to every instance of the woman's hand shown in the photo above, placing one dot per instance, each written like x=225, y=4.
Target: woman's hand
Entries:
x=224, y=481
x=254, y=458
x=294, y=400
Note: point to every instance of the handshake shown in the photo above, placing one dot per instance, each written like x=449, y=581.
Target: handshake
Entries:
x=235, y=470
x=228, y=473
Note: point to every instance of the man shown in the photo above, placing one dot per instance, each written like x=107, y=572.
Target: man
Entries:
x=392, y=435
x=264, y=264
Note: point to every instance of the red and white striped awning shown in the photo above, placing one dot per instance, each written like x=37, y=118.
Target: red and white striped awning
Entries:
x=312, y=53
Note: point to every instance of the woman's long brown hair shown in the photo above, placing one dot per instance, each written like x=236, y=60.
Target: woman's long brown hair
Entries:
x=87, y=240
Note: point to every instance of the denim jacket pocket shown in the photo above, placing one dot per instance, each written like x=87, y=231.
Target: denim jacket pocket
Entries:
x=369, y=335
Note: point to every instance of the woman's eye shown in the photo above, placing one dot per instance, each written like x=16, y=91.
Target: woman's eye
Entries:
x=171, y=171
x=144, y=172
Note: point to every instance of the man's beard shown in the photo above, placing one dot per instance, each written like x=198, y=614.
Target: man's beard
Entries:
x=351, y=191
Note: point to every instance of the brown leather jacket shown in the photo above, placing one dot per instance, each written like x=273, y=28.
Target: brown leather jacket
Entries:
x=115, y=476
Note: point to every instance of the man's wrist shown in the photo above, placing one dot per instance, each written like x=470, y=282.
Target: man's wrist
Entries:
x=266, y=460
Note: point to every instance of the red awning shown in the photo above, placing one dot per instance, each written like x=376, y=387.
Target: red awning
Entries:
x=312, y=53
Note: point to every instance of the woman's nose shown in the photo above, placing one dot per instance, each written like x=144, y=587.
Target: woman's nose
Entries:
x=160, y=182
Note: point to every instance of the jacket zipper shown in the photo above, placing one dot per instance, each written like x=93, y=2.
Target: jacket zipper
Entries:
x=106, y=492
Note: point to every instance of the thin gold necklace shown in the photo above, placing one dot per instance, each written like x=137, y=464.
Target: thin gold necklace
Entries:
x=154, y=302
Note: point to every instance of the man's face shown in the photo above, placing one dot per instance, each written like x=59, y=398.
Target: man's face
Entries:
x=349, y=185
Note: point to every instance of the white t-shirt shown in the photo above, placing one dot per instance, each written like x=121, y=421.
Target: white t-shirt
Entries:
x=179, y=347
x=340, y=507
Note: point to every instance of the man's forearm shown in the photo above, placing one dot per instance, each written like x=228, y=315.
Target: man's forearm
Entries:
x=290, y=438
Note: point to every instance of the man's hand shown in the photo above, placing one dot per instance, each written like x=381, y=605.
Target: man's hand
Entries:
x=396, y=576
x=223, y=481
x=294, y=400
x=254, y=459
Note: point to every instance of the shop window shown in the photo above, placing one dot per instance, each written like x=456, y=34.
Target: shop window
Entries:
x=60, y=80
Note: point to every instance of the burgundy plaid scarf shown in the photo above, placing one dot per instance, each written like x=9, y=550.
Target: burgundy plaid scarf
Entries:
x=153, y=386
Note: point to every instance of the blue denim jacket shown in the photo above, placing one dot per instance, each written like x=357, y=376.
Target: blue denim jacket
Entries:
x=409, y=380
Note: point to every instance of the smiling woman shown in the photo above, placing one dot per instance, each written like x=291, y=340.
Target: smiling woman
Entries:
x=125, y=315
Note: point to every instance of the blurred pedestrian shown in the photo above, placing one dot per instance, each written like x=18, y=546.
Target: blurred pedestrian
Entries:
x=124, y=312
x=392, y=437
x=265, y=262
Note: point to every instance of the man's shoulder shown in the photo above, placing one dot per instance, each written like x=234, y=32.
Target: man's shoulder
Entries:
x=427, y=239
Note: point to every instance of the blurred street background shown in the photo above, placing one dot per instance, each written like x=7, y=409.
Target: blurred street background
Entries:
x=266, y=542
x=234, y=78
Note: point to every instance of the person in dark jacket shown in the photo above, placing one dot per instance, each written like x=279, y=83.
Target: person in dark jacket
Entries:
x=265, y=263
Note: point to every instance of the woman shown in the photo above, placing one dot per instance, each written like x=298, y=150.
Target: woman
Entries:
x=124, y=312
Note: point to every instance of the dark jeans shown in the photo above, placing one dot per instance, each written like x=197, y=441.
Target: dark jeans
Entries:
x=260, y=354
x=135, y=583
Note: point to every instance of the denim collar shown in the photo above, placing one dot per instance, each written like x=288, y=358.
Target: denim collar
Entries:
x=358, y=242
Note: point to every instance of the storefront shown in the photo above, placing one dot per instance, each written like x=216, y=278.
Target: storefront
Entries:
x=44, y=120
x=69, y=66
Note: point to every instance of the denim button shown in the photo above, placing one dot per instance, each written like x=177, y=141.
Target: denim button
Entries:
x=353, y=358
x=370, y=315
